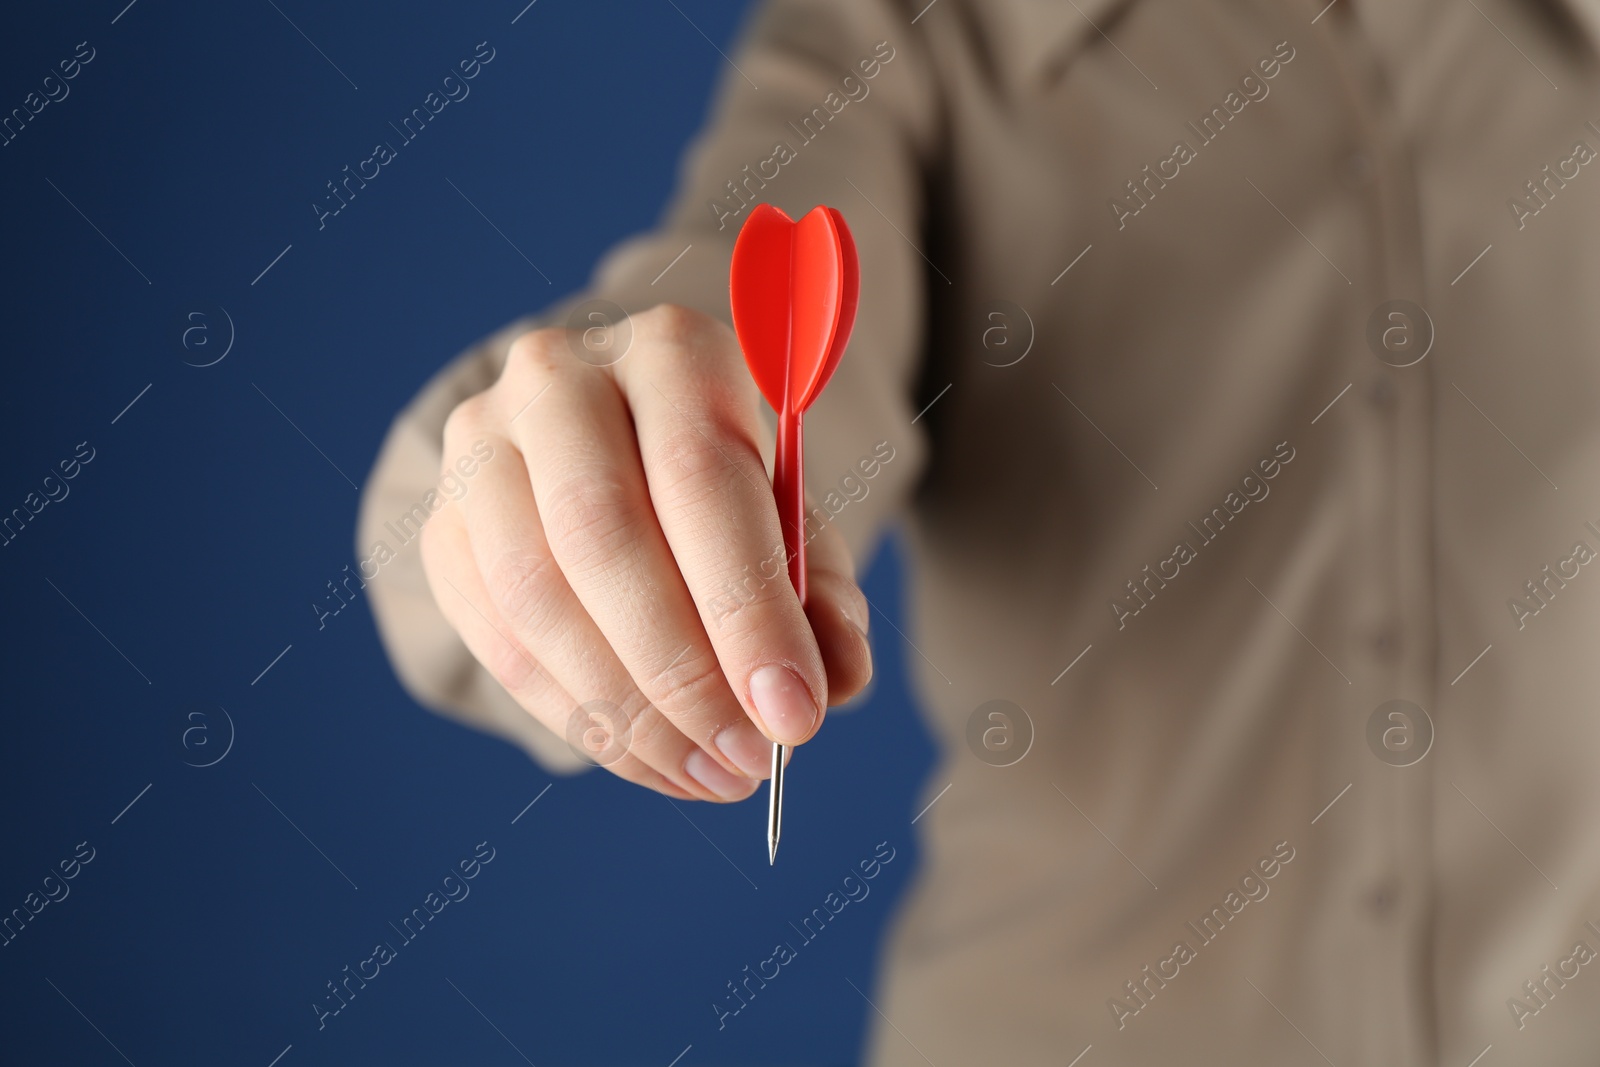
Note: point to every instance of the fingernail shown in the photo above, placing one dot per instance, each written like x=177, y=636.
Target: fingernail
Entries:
x=785, y=705
x=746, y=748
x=709, y=773
x=857, y=612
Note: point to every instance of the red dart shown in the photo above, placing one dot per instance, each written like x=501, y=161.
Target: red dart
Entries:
x=794, y=288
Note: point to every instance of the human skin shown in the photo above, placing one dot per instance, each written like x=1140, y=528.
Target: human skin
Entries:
x=588, y=560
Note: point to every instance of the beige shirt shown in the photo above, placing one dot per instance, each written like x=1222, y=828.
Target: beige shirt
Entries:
x=1126, y=271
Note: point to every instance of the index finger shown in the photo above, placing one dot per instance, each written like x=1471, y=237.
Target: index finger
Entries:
x=695, y=414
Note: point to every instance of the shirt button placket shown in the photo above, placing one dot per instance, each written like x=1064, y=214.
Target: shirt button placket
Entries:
x=1392, y=550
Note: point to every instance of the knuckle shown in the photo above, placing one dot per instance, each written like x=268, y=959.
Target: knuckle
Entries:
x=692, y=682
x=690, y=343
x=467, y=419
x=533, y=357
x=592, y=518
x=509, y=665
x=675, y=324
x=536, y=348
x=649, y=730
x=524, y=586
x=695, y=361
x=761, y=606
x=690, y=468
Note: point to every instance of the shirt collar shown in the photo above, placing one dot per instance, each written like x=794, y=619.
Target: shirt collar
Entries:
x=1036, y=33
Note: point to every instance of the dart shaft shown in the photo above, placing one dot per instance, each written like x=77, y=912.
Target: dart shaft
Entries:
x=789, y=491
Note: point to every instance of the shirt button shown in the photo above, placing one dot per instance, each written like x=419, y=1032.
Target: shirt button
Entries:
x=1386, y=643
x=1357, y=171
x=1381, y=394
x=1381, y=898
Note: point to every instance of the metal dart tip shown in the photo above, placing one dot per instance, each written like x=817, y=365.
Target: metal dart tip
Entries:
x=775, y=804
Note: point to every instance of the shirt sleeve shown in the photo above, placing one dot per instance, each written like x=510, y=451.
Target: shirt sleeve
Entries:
x=825, y=102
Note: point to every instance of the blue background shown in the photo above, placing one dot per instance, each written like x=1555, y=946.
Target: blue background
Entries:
x=206, y=524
